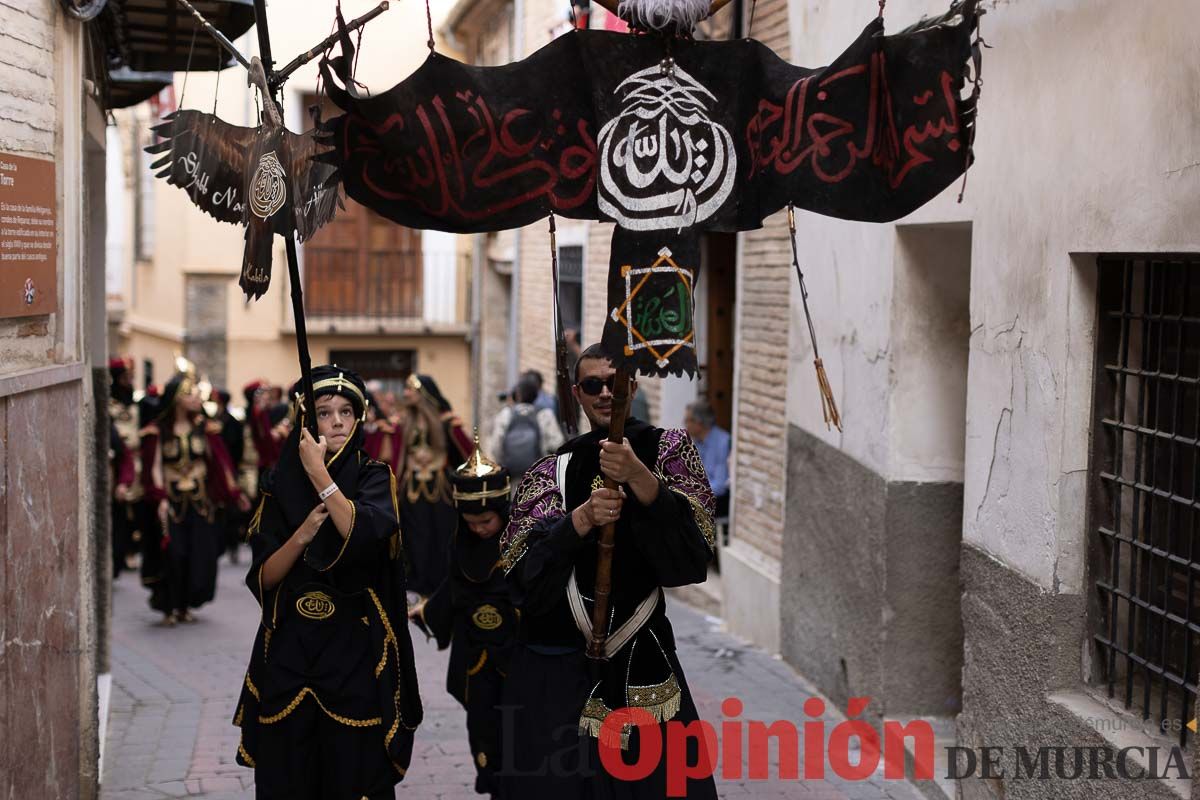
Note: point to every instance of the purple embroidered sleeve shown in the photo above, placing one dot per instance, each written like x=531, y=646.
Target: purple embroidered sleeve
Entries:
x=680, y=467
x=537, y=499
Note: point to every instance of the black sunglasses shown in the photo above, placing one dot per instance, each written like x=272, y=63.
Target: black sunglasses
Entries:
x=593, y=386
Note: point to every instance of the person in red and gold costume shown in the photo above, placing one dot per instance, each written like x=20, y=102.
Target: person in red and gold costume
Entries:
x=434, y=442
x=186, y=473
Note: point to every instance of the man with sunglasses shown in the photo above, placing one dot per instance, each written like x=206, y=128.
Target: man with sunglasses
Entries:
x=556, y=699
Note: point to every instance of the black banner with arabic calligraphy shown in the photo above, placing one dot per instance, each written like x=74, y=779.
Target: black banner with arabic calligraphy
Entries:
x=594, y=126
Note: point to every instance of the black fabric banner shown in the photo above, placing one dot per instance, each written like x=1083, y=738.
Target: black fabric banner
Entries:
x=666, y=138
x=593, y=126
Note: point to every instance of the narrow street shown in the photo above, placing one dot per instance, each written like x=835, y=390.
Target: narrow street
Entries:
x=169, y=731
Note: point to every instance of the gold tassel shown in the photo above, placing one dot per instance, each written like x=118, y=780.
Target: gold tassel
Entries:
x=828, y=404
x=829, y=407
x=591, y=723
x=667, y=709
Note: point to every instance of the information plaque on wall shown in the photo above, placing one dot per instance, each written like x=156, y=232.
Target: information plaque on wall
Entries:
x=28, y=237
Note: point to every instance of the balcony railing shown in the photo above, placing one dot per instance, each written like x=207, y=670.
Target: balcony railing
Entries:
x=352, y=288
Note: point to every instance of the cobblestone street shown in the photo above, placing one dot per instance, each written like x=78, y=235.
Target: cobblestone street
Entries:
x=173, y=694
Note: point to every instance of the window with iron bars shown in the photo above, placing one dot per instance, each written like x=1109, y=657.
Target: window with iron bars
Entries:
x=1145, y=488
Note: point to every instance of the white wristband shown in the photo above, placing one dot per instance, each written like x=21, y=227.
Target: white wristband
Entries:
x=327, y=491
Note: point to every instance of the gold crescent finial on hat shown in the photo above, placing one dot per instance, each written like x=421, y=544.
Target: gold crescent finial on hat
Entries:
x=478, y=465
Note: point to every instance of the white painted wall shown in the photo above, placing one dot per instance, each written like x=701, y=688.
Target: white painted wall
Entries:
x=116, y=237
x=439, y=254
x=929, y=354
x=1088, y=140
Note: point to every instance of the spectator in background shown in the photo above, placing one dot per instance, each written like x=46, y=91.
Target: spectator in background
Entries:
x=544, y=399
x=522, y=432
x=713, y=442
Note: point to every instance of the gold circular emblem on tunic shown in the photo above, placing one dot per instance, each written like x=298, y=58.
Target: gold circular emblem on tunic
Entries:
x=315, y=605
x=487, y=618
x=481, y=759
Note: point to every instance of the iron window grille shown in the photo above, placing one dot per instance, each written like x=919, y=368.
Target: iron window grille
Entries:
x=1145, y=487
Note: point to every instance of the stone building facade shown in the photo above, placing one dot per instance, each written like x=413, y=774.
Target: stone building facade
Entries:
x=998, y=540
x=53, y=379
x=979, y=545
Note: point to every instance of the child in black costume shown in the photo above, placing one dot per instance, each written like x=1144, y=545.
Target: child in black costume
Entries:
x=471, y=613
x=330, y=701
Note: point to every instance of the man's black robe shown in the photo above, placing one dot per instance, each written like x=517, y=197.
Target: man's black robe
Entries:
x=558, y=698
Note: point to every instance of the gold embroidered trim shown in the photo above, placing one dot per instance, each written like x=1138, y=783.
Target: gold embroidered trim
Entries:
x=340, y=383
x=245, y=756
x=478, y=664
x=503, y=491
x=345, y=541
x=256, y=521
x=306, y=691
x=237, y=721
x=537, y=495
x=661, y=699
x=396, y=541
x=704, y=520
x=342, y=449
x=390, y=636
x=591, y=723
x=253, y=689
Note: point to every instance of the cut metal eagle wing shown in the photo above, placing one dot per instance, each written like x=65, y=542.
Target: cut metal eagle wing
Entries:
x=263, y=178
x=206, y=157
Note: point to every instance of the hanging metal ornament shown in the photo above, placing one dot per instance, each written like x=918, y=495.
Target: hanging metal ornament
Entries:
x=264, y=178
x=83, y=10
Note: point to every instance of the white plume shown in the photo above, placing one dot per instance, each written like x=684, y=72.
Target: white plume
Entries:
x=680, y=16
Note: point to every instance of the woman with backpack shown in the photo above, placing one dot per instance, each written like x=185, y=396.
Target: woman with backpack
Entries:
x=522, y=433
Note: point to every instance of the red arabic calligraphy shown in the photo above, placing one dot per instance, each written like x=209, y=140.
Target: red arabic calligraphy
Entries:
x=431, y=157
x=799, y=133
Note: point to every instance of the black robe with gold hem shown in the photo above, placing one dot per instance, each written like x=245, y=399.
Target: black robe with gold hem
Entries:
x=471, y=613
x=559, y=698
x=331, y=675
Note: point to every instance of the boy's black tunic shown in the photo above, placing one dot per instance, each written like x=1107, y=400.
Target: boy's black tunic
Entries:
x=330, y=701
x=561, y=697
x=472, y=614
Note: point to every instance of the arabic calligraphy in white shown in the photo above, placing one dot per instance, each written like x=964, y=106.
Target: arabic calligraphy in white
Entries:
x=268, y=189
x=664, y=163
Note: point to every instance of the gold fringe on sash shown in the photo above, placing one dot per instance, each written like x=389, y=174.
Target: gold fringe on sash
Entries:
x=661, y=701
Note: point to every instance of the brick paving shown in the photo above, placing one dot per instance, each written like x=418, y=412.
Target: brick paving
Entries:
x=173, y=695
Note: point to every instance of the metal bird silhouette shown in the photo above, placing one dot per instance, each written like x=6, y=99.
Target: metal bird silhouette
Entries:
x=262, y=178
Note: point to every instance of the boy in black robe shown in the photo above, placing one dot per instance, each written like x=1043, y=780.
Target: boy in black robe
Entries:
x=471, y=611
x=330, y=701
x=559, y=698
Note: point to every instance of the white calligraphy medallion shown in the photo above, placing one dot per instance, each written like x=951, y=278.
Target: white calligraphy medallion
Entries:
x=268, y=188
x=664, y=163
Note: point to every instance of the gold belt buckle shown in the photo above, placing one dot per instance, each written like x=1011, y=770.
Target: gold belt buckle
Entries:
x=315, y=605
x=487, y=618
